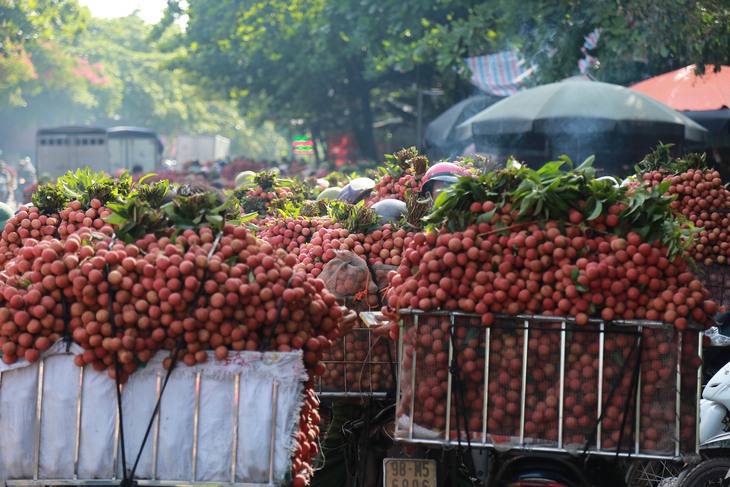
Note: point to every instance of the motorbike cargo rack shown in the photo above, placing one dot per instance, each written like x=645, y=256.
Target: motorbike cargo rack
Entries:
x=359, y=365
x=532, y=383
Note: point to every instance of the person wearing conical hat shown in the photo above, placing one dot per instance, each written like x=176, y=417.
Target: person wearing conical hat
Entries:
x=243, y=178
x=6, y=213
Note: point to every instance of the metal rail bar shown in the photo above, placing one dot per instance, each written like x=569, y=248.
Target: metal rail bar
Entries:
x=601, y=365
x=698, y=397
x=678, y=394
x=533, y=447
x=274, y=400
x=236, y=401
x=543, y=318
x=77, y=439
x=487, y=348
x=156, y=437
x=523, y=385
x=116, y=440
x=413, y=378
x=449, y=379
x=561, y=391
x=143, y=483
x=196, y=423
x=38, y=418
x=400, y=351
x=637, y=409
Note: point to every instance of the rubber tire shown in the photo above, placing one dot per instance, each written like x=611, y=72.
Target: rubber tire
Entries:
x=705, y=471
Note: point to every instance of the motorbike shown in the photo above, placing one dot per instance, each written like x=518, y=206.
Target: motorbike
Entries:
x=714, y=436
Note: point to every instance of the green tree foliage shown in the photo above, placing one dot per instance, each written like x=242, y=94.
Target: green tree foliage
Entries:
x=346, y=63
x=32, y=33
x=75, y=69
x=153, y=93
x=639, y=38
x=302, y=59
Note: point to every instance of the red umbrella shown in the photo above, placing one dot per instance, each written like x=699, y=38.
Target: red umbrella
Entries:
x=684, y=90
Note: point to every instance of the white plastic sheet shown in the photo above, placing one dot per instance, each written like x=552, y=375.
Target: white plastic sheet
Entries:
x=212, y=384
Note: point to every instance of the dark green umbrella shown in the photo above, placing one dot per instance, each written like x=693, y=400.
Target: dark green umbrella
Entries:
x=580, y=117
x=441, y=131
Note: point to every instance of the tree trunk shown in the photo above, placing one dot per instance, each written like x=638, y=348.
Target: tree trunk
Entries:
x=315, y=135
x=361, y=114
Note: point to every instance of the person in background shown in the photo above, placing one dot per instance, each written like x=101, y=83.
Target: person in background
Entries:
x=6, y=182
x=439, y=176
x=26, y=177
x=6, y=213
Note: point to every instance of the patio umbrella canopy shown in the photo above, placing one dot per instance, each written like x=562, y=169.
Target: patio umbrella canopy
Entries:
x=682, y=89
x=442, y=129
x=440, y=133
x=705, y=99
x=579, y=118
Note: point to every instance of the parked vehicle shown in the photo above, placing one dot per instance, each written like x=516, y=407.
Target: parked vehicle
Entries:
x=447, y=413
x=134, y=148
x=208, y=147
x=64, y=149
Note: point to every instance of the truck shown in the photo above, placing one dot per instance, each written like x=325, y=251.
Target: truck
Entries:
x=210, y=147
x=63, y=149
x=133, y=148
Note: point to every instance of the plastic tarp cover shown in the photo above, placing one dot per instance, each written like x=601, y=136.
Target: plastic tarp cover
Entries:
x=62, y=382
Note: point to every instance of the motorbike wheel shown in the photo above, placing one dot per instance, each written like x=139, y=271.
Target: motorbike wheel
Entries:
x=711, y=472
x=652, y=473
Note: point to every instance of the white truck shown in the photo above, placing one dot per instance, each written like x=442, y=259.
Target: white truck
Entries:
x=63, y=149
x=202, y=148
x=134, y=147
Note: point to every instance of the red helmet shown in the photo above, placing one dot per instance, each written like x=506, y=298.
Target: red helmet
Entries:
x=447, y=172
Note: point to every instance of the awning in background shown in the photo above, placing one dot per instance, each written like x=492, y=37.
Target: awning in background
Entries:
x=682, y=89
x=500, y=74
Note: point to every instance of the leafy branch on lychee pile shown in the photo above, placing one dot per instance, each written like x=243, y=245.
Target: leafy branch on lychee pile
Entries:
x=452, y=206
x=82, y=185
x=196, y=211
x=265, y=180
x=660, y=159
x=400, y=162
x=140, y=213
x=300, y=190
x=419, y=165
x=417, y=208
x=50, y=199
x=552, y=193
x=313, y=209
x=355, y=218
x=649, y=214
x=402, y=157
x=337, y=178
x=290, y=210
x=252, y=203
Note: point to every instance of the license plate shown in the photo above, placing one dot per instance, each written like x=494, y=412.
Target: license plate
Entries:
x=409, y=472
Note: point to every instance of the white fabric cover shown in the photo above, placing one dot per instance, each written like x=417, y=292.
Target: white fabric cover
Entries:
x=258, y=373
